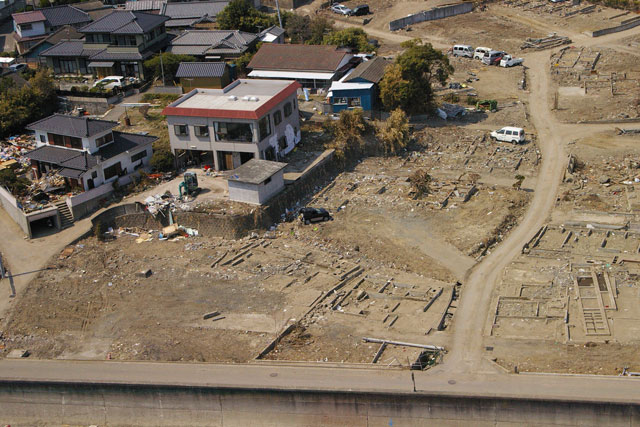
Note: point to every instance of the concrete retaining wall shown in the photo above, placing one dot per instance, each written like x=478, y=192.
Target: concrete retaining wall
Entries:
x=44, y=403
x=431, y=15
x=622, y=27
x=9, y=204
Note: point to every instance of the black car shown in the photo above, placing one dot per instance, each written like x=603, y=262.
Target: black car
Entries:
x=363, y=9
x=309, y=215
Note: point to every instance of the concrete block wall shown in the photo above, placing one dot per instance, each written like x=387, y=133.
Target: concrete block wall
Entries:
x=9, y=204
x=431, y=15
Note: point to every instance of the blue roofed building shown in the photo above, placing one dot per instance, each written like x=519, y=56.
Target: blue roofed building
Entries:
x=358, y=88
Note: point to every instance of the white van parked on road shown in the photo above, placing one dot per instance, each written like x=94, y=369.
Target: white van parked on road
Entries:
x=508, y=134
x=480, y=51
x=463, y=50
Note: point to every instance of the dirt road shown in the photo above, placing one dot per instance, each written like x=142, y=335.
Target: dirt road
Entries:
x=466, y=353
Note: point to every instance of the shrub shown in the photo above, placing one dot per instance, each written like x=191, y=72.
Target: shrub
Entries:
x=394, y=135
x=162, y=160
x=420, y=182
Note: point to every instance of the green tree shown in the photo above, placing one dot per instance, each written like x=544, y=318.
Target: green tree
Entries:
x=355, y=38
x=16, y=185
x=395, y=89
x=243, y=60
x=320, y=27
x=170, y=63
x=299, y=28
x=348, y=133
x=394, y=134
x=240, y=15
x=21, y=106
x=418, y=67
x=162, y=160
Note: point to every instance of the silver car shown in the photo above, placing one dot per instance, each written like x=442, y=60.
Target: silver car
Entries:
x=341, y=9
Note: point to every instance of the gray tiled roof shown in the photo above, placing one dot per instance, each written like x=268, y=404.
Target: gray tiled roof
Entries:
x=186, y=22
x=69, y=48
x=275, y=30
x=123, y=142
x=371, y=71
x=72, y=126
x=201, y=69
x=65, y=15
x=64, y=33
x=255, y=171
x=125, y=22
x=193, y=9
x=75, y=162
x=201, y=42
x=105, y=55
x=63, y=157
x=144, y=4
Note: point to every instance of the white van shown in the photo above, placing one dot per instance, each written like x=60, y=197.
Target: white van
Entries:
x=463, y=50
x=480, y=51
x=508, y=134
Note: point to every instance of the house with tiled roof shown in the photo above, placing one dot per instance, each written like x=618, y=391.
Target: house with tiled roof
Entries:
x=65, y=33
x=183, y=15
x=313, y=66
x=205, y=75
x=213, y=45
x=359, y=87
x=29, y=28
x=116, y=44
x=88, y=154
x=273, y=34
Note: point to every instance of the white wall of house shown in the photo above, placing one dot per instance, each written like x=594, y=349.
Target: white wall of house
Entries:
x=37, y=29
x=125, y=163
x=256, y=194
x=88, y=144
x=288, y=128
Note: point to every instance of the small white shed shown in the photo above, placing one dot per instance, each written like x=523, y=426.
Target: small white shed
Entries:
x=256, y=181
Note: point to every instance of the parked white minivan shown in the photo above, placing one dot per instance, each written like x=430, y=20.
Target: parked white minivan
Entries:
x=480, y=51
x=463, y=50
x=508, y=134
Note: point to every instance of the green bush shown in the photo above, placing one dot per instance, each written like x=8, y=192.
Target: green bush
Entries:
x=162, y=160
x=16, y=185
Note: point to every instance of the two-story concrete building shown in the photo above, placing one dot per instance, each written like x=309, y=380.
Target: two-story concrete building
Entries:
x=29, y=28
x=116, y=44
x=228, y=127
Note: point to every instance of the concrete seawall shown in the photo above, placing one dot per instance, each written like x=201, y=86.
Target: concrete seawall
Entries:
x=55, y=403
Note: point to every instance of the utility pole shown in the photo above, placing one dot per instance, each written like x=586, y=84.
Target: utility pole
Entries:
x=278, y=11
x=162, y=69
x=1, y=268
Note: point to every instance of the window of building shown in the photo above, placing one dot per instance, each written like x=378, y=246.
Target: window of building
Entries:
x=277, y=118
x=112, y=171
x=240, y=132
x=181, y=130
x=266, y=181
x=339, y=100
x=354, y=102
x=56, y=139
x=264, y=126
x=201, y=130
x=94, y=174
x=270, y=153
x=138, y=156
x=104, y=140
x=26, y=27
x=68, y=65
x=287, y=109
x=43, y=139
x=282, y=143
x=73, y=142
